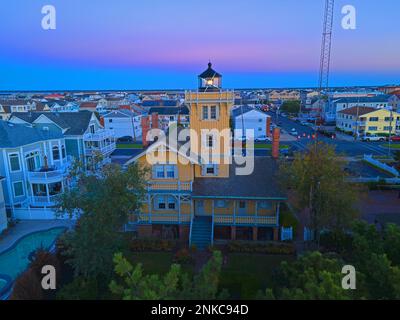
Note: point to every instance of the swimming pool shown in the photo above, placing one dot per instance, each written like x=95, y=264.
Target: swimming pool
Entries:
x=15, y=260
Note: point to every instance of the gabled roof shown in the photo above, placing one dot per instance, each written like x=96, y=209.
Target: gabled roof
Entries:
x=353, y=111
x=246, y=109
x=75, y=123
x=15, y=135
x=121, y=113
x=159, y=103
x=379, y=98
x=210, y=73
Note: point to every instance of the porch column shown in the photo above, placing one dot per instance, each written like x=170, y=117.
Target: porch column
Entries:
x=47, y=192
x=233, y=232
x=255, y=233
x=179, y=208
x=60, y=153
x=149, y=206
x=234, y=212
x=32, y=192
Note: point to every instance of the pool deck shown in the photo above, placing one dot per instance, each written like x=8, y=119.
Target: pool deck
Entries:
x=25, y=227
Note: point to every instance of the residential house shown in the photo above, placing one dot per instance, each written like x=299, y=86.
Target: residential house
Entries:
x=3, y=213
x=200, y=201
x=283, y=95
x=247, y=118
x=9, y=106
x=367, y=120
x=34, y=163
x=169, y=115
x=85, y=137
x=124, y=123
x=377, y=102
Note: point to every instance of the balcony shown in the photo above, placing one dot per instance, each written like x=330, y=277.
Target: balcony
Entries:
x=102, y=141
x=247, y=220
x=44, y=201
x=169, y=186
x=48, y=175
x=173, y=218
x=99, y=135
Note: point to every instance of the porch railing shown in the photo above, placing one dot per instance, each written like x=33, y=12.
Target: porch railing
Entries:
x=245, y=220
x=169, y=185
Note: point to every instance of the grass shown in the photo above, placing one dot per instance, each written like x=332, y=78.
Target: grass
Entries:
x=245, y=274
x=393, y=146
x=269, y=146
x=129, y=146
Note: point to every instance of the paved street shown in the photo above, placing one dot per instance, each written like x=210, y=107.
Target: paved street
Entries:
x=346, y=147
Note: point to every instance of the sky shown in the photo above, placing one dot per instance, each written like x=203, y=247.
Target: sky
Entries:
x=165, y=44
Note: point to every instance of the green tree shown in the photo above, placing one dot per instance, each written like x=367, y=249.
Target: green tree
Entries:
x=319, y=184
x=133, y=284
x=102, y=202
x=291, y=106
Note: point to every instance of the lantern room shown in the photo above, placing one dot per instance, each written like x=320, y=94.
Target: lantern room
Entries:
x=210, y=80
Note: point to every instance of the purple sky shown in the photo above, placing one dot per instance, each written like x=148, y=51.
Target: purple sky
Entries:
x=145, y=44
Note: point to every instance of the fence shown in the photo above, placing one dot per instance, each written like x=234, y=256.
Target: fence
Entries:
x=37, y=214
x=381, y=165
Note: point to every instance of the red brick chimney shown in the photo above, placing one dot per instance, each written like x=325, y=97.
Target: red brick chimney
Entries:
x=268, y=128
x=145, y=128
x=275, y=143
x=102, y=121
x=154, y=120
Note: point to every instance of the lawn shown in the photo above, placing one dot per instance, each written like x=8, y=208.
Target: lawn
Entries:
x=243, y=275
x=393, y=146
x=246, y=274
x=129, y=146
x=269, y=146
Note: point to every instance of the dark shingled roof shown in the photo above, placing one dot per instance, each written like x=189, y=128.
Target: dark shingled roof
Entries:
x=262, y=183
x=170, y=110
x=358, y=110
x=76, y=123
x=210, y=73
x=14, y=135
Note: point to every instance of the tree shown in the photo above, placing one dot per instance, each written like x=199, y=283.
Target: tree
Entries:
x=102, y=202
x=319, y=184
x=135, y=285
x=311, y=277
x=291, y=106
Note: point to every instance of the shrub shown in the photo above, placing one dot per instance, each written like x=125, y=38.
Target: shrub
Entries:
x=27, y=287
x=152, y=245
x=183, y=256
x=261, y=247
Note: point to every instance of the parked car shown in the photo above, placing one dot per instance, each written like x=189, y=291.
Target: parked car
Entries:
x=262, y=138
x=395, y=139
x=125, y=139
x=373, y=137
x=294, y=132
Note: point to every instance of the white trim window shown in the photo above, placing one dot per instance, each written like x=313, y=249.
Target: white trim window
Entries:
x=165, y=172
x=14, y=162
x=165, y=203
x=56, y=153
x=209, y=170
x=18, y=189
x=221, y=204
x=264, y=205
x=210, y=113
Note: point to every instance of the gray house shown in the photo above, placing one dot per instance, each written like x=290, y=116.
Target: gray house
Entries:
x=34, y=163
x=83, y=133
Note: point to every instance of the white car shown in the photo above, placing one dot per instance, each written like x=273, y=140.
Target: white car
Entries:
x=262, y=138
x=294, y=132
x=373, y=137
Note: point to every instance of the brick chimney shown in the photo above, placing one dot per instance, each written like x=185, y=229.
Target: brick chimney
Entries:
x=154, y=120
x=102, y=121
x=275, y=143
x=145, y=128
x=268, y=128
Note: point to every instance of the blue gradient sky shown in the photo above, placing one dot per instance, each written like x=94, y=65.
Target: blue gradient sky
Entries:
x=149, y=44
